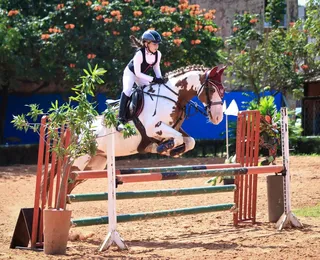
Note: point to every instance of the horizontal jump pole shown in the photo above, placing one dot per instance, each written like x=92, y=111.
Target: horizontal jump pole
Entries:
x=152, y=215
x=83, y=175
x=152, y=193
x=161, y=176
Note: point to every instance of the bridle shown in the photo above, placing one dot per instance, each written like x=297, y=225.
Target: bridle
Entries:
x=216, y=86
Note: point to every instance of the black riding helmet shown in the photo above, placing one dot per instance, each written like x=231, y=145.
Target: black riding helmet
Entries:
x=152, y=36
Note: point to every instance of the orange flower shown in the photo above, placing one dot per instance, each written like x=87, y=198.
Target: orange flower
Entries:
x=268, y=118
x=108, y=20
x=167, y=9
x=104, y=3
x=115, y=13
x=135, y=28
x=45, y=36
x=198, y=27
x=166, y=34
x=176, y=29
x=99, y=17
x=69, y=26
x=88, y=3
x=115, y=33
x=209, y=16
x=195, y=42
x=183, y=7
x=137, y=13
x=119, y=17
x=210, y=28
x=291, y=24
x=127, y=1
x=54, y=30
x=235, y=29
x=304, y=67
x=98, y=8
x=91, y=56
x=72, y=65
x=177, y=41
x=13, y=12
x=194, y=7
x=60, y=6
x=167, y=63
x=183, y=1
x=254, y=20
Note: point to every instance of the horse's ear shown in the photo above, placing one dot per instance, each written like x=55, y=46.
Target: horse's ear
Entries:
x=222, y=70
x=213, y=72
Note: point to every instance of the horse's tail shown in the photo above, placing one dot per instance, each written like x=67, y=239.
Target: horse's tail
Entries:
x=135, y=42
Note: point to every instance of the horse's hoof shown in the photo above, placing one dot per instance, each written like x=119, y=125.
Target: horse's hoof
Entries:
x=177, y=151
x=165, y=146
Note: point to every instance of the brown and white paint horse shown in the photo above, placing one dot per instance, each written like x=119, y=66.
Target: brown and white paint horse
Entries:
x=162, y=117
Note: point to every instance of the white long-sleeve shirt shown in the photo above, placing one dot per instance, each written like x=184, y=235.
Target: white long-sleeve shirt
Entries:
x=150, y=59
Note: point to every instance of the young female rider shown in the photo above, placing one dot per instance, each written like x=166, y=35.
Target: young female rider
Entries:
x=146, y=57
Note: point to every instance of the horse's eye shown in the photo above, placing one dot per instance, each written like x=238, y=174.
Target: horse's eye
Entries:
x=212, y=90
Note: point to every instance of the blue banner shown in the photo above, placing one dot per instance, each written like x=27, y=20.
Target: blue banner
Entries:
x=197, y=125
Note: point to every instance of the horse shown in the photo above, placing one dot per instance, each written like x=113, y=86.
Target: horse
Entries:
x=161, y=112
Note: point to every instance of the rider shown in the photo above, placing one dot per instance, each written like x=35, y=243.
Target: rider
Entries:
x=146, y=57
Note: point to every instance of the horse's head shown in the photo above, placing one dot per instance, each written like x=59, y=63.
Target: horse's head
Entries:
x=211, y=94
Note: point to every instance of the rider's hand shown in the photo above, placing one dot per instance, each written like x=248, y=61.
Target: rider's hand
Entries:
x=158, y=80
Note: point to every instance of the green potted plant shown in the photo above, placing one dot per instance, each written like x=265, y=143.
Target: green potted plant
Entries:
x=78, y=116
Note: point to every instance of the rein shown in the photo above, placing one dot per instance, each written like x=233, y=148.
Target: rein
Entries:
x=185, y=113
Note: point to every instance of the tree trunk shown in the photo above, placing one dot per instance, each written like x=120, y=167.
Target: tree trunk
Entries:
x=4, y=93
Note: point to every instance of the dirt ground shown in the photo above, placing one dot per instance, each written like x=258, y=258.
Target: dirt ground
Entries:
x=202, y=236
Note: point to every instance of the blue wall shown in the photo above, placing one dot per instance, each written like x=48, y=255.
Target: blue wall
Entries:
x=197, y=125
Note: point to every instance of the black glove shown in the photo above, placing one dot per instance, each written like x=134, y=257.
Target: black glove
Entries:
x=158, y=80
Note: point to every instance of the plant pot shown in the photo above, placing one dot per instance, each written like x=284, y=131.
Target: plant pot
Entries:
x=56, y=231
x=228, y=181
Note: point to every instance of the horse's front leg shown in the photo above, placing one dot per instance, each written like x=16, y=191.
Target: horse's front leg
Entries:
x=188, y=144
x=161, y=130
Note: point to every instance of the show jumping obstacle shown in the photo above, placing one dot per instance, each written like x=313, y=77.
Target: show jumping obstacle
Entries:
x=245, y=188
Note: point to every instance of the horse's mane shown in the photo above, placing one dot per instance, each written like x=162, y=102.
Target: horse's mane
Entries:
x=183, y=70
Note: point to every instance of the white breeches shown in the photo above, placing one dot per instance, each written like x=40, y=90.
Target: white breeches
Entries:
x=129, y=79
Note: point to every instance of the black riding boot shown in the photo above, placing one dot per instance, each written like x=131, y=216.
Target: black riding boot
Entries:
x=124, y=100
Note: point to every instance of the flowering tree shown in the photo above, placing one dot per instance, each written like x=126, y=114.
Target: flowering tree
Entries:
x=303, y=41
x=280, y=59
x=46, y=41
x=261, y=61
